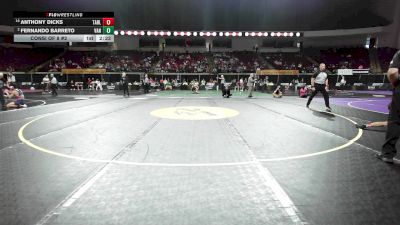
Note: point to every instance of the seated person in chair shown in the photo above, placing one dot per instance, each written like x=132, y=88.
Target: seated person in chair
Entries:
x=277, y=93
x=167, y=85
x=195, y=86
x=303, y=92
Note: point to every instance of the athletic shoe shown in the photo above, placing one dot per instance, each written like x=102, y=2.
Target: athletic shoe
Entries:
x=328, y=109
x=250, y=96
x=384, y=158
x=24, y=106
x=361, y=126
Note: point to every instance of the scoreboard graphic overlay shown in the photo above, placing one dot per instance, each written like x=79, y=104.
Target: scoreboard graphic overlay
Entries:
x=64, y=26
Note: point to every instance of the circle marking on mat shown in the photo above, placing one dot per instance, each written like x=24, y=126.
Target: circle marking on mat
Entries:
x=194, y=113
x=52, y=152
x=350, y=104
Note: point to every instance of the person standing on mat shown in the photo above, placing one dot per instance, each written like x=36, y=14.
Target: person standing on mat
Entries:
x=125, y=83
x=389, y=150
x=319, y=83
x=53, y=85
x=250, y=84
x=225, y=87
x=46, y=82
x=221, y=85
x=146, y=84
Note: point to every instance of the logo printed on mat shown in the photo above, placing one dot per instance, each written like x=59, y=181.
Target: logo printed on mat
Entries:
x=194, y=113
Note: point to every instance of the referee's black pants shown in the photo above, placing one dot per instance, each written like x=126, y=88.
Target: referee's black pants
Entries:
x=146, y=88
x=126, y=89
x=393, y=129
x=226, y=91
x=319, y=88
x=54, y=90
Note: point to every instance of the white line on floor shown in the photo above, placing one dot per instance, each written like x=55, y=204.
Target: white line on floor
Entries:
x=82, y=98
x=270, y=181
x=137, y=98
x=352, y=106
x=75, y=195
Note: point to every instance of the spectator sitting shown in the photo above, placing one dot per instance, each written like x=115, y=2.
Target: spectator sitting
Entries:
x=303, y=92
x=195, y=86
x=46, y=83
x=167, y=84
x=91, y=84
x=72, y=86
x=277, y=93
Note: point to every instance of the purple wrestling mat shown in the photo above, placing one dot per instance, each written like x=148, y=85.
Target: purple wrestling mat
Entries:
x=374, y=92
x=378, y=105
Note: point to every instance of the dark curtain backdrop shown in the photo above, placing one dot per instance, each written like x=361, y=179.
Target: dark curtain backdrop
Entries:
x=218, y=14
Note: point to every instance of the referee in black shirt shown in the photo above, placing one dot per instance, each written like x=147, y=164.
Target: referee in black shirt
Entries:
x=389, y=150
x=125, y=84
x=319, y=83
